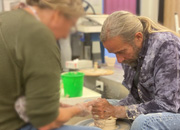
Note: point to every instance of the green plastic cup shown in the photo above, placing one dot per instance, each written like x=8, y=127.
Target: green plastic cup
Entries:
x=73, y=83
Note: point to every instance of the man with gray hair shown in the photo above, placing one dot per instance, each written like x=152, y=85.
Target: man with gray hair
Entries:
x=150, y=57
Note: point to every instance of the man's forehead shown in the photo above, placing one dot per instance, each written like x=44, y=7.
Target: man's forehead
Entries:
x=114, y=45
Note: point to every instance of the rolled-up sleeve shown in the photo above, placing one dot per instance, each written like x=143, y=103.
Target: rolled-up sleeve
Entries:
x=166, y=81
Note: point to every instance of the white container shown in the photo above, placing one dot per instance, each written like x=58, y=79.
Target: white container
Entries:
x=110, y=61
x=79, y=64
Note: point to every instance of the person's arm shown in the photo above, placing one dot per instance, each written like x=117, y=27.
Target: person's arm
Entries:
x=67, y=113
x=64, y=105
x=64, y=116
x=40, y=58
x=167, y=87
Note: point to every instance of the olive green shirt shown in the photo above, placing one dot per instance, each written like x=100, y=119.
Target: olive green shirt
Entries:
x=30, y=67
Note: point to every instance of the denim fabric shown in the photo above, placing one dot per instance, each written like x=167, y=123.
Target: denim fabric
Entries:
x=114, y=102
x=154, y=121
x=157, y=121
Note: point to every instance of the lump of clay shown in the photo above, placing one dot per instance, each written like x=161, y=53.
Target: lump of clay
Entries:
x=106, y=124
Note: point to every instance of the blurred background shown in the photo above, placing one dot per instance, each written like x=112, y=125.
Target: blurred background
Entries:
x=84, y=44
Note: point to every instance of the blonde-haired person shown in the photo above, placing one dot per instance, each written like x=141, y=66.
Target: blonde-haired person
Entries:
x=30, y=65
x=150, y=57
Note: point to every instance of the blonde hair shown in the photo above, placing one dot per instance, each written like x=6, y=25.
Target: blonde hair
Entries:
x=70, y=8
x=126, y=24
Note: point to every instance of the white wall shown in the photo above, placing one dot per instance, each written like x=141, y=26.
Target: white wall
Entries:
x=65, y=51
x=97, y=4
x=150, y=9
x=8, y=3
x=1, y=6
x=5, y=4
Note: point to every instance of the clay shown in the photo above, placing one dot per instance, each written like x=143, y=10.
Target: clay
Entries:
x=106, y=124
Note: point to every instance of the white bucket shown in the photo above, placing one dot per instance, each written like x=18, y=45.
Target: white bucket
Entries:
x=110, y=61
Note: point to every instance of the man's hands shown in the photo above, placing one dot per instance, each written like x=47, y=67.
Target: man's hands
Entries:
x=102, y=109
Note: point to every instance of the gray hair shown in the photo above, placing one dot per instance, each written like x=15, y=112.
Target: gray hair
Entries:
x=126, y=25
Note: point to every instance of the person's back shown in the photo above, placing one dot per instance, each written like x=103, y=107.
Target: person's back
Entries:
x=15, y=63
x=9, y=72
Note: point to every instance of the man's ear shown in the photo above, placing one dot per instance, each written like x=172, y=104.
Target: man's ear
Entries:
x=139, y=36
x=138, y=39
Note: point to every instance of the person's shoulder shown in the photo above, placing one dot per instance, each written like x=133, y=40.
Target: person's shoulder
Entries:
x=163, y=37
x=32, y=25
x=159, y=39
x=20, y=22
x=163, y=43
x=33, y=29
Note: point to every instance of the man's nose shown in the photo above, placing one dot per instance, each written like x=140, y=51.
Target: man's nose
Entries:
x=120, y=58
